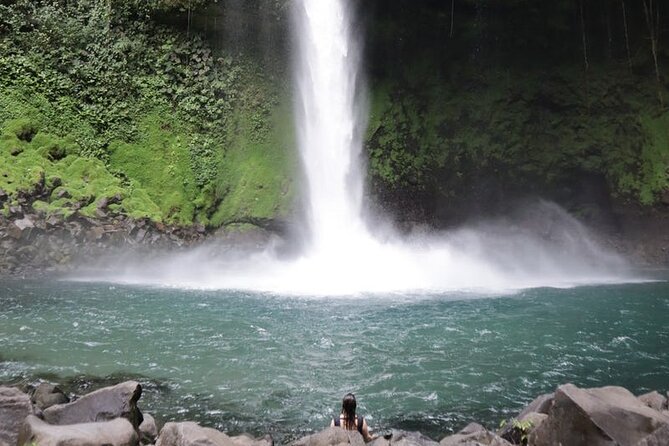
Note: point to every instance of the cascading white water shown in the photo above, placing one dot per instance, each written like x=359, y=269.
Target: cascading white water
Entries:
x=546, y=247
x=329, y=126
x=328, y=122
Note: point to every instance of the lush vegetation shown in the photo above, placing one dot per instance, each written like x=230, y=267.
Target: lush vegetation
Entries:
x=138, y=105
x=112, y=103
x=535, y=132
x=516, y=98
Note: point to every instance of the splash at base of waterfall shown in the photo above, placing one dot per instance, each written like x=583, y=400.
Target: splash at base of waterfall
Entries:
x=549, y=249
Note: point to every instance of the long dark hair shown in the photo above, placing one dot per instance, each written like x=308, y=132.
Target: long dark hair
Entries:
x=348, y=410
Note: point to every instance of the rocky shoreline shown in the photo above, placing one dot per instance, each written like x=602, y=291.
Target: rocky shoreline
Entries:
x=35, y=244
x=44, y=415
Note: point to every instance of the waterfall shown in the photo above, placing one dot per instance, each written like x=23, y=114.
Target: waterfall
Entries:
x=547, y=247
x=328, y=125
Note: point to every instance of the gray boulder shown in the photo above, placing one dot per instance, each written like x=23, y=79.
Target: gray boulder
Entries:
x=535, y=419
x=191, y=434
x=603, y=416
x=658, y=438
x=47, y=395
x=24, y=223
x=380, y=441
x=14, y=408
x=102, y=405
x=248, y=440
x=118, y=432
x=405, y=438
x=654, y=400
x=474, y=435
x=541, y=404
x=332, y=436
x=148, y=430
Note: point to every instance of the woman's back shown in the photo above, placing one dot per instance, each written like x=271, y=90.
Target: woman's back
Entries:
x=348, y=419
x=358, y=423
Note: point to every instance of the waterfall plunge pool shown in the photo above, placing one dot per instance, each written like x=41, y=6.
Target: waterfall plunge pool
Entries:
x=250, y=362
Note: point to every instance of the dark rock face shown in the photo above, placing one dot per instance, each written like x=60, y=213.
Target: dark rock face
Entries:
x=14, y=408
x=604, y=416
x=332, y=436
x=101, y=405
x=665, y=197
x=32, y=242
x=117, y=432
x=47, y=395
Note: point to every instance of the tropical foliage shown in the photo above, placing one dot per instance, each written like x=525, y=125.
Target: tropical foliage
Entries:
x=160, y=110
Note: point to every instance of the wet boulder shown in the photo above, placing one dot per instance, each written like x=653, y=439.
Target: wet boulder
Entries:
x=597, y=417
x=148, y=430
x=47, y=395
x=191, y=434
x=14, y=408
x=104, y=404
x=117, y=432
x=654, y=400
x=332, y=436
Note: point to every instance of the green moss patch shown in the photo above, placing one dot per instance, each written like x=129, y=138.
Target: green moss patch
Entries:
x=256, y=179
x=67, y=183
x=158, y=162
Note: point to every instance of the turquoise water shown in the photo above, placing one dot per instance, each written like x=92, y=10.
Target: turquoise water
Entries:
x=274, y=364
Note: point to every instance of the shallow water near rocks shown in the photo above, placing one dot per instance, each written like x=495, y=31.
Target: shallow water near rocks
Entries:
x=273, y=364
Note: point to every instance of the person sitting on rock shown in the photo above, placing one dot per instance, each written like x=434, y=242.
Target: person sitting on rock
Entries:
x=348, y=420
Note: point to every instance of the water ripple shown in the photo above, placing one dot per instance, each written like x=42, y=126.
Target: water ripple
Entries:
x=245, y=362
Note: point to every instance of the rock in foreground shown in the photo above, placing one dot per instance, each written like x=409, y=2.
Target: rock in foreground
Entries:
x=192, y=434
x=474, y=435
x=404, y=438
x=117, y=432
x=332, y=436
x=148, y=430
x=603, y=416
x=47, y=395
x=14, y=408
x=102, y=405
